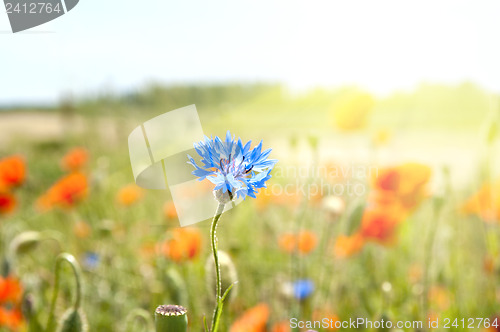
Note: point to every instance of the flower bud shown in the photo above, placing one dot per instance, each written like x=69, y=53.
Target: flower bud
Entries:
x=24, y=242
x=333, y=205
x=73, y=321
x=171, y=318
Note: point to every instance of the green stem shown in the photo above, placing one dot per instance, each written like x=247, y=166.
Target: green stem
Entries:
x=218, y=287
x=71, y=260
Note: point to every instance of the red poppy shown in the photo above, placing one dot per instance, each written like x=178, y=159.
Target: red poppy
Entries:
x=10, y=303
x=379, y=225
x=75, y=160
x=129, y=195
x=346, y=246
x=304, y=242
x=253, y=320
x=185, y=244
x=65, y=193
x=12, y=172
x=7, y=202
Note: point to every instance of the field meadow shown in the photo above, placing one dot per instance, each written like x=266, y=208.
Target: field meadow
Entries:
x=379, y=207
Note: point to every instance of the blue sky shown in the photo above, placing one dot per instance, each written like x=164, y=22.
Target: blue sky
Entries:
x=382, y=46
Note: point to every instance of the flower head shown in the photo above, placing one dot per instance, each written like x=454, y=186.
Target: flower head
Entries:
x=184, y=244
x=485, y=203
x=75, y=159
x=303, y=242
x=234, y=168
x=252, y=320
x=7, y=203
x=65, y=193
x=169, y=210
x=302, y=289
x=346, y=246
x=379, y=225
x=129, y=195
x=12, y=172
x=407, y=182
x=10, y=303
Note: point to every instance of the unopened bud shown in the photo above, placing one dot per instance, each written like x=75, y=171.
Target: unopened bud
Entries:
x=73, y=321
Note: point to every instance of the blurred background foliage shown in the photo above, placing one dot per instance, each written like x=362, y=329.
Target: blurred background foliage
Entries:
x=300, y=255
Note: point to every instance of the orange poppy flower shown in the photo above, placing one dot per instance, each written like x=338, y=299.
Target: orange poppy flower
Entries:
x=11, y=319
x=288, y=242
x=494, y=320
x=81, y=229
x=75, y=159
x=346, y=246
x=185, y=244
x=431, y=317
x=169, y=210
x=389, y=202
x=387, y=180
x=253, y=320
x=12, y=172
x=7, y=203
x=485, y=203
x=129, y=194
x=379, y=225
x=10, y=302
x=489, y=265
x=10, y=290
x=439, y=297
x=281, y=327
x=415, y=273
x=407, y=182
x=320, y=315
x=304, y=242
x=65, y=193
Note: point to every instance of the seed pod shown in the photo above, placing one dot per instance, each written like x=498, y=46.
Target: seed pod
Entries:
x=171, y=318
x=73, y=321
x=228, y=274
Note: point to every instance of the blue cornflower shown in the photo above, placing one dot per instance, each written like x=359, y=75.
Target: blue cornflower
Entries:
x=302, y=289
x=234, y=168
x=91, y=260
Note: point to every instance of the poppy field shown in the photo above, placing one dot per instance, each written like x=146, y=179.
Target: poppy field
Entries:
x=355, y=206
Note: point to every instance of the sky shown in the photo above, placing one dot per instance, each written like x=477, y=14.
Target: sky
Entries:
x=382, y=46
